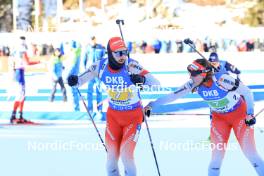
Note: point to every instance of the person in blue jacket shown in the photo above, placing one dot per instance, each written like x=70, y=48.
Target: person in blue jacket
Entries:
x=94, y=52
x=224, y=67
x=56, y=74
x=72, y=67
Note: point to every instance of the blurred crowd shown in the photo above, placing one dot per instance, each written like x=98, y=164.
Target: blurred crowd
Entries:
x=207, y=45
x=33, y=49
x=161, y=46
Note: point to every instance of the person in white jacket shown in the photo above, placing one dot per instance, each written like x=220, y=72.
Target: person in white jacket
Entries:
x=20, y=60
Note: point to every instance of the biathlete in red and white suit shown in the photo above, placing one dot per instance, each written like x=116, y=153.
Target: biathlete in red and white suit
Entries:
x=232, y=107
x=20, y=60
x=124, y=114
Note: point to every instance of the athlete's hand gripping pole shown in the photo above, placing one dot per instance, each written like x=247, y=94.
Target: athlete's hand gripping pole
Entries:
x=146, y=112
x=261, y=130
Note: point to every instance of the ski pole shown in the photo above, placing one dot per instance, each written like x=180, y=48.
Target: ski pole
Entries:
x=120, y=22
x=151, y=143
x=191, y=44
x=261, y=130
x=98, y=133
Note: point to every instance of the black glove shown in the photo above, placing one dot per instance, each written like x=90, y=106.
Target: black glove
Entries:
x=250, y=122
x=137, y=79
x=188, y=41
x=72, y=80
x=147, y=110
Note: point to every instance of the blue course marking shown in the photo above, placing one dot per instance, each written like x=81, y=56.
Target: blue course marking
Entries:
x=258, y=96
x=3, y=91
x=58, y=91
x=4, y=98
x=256, y=87
x=180, y=107
x=52, y=115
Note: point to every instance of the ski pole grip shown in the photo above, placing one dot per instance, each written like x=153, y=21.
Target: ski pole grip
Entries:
x=119, y=21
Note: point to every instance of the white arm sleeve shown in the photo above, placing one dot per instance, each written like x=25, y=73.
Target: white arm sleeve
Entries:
x=231, y=84
x=151, y=80
x=182, y=91
x=135, y=68
x=248, y=96
x=89, y=74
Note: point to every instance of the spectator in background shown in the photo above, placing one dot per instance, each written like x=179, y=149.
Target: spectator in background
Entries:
x=157, y=46
x=134, y=47
x=261, y=44
x=173, y=48
x=149, y=49
x=44, y=50
x=232, y=46
x=72, y=51
x=205, y=47
x=143, y=46
x=250, y=45
x=56, y=67
x=165, y=46
x=242, y=46
x=212, y=45
x=129, y=47
x=6, y=51
x=19, y=60
x=93, y=53
x=179, y=45
x=199, y=45
x=222, y=65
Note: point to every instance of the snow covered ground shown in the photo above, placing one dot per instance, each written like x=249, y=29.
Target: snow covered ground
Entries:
x=66, y=148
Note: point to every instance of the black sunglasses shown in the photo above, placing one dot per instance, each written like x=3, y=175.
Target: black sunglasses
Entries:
x=121, y=53
x=196, y=72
